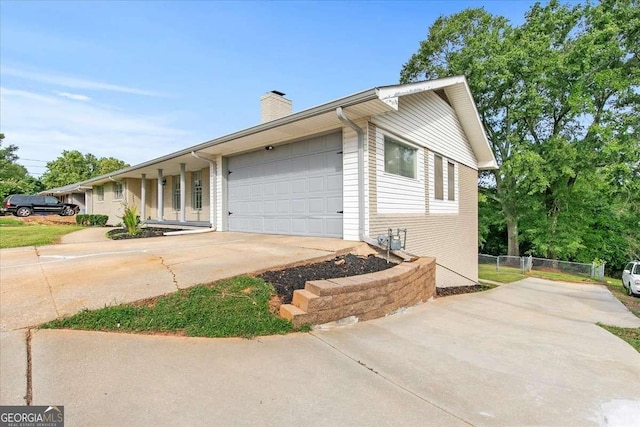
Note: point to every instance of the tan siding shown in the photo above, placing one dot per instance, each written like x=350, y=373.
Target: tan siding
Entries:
x=451, y=238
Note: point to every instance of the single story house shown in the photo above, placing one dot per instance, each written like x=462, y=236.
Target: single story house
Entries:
x=400, y=156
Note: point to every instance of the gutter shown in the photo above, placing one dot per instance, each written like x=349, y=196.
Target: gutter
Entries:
x=361, y=217
x=212, y=217
x=364, y=237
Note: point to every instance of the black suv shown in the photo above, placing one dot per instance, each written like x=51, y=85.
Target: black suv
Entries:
x=25, y=205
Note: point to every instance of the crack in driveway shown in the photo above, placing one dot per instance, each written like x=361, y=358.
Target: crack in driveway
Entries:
x=173, y=275
x=389, y=380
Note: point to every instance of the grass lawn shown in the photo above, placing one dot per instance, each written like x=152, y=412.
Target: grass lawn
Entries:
x=512, y=274
x=630, y=335
x=505, y=275
x=229, y=308
x=15, y=233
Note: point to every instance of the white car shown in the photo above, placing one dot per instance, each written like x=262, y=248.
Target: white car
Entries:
x=631, y=278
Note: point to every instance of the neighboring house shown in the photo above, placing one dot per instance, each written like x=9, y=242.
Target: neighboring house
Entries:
x=401, y=156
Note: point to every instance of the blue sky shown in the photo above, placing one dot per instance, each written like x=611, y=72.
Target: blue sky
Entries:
x=136, y=80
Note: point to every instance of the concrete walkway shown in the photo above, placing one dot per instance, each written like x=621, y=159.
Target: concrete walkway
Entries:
x=87, y=270
x=527, y=353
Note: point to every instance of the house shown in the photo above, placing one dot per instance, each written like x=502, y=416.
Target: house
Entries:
x=400, y=156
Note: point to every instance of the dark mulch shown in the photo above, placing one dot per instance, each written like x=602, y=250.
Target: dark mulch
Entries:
x=287, y=280
x=121, y=233
x=456, y=290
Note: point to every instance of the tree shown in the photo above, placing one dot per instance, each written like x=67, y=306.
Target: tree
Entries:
x=14, y=177
x=73, y=166
x=558, y=98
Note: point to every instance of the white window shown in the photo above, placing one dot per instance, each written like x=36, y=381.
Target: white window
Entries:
x=451, y=181
x=176, y=193
x=399, y=159
x=117, y=191
x=443, y=185
x=438, y=176
x=196, y=190
x=100, y=191
x=400, y=175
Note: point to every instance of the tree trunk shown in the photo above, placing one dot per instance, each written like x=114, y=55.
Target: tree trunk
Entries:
x=513, y=248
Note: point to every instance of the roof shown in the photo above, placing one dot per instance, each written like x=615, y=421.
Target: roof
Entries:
x=322, y=118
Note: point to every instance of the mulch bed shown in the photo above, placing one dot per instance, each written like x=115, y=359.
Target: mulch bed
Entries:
x=287, y=280
x=121, y=233
x=456, y=290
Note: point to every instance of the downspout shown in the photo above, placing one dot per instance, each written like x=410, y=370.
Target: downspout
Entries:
x=361, y=217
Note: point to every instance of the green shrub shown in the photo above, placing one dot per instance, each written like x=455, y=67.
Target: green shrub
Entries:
x=92, y=220
x=131, y=219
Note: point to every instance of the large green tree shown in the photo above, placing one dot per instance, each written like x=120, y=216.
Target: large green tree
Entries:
x=14, y=178
x=558, y=98
x=74, y=166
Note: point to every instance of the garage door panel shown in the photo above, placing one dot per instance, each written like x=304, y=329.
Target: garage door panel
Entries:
x=316, y=206
x=316, y=184
x=299, y=185
x=284, y=206
x=299, y=225
x=299, y=206
x=283, y=188
x=293, y=189
x=256, y=207
x=316, y=226
x=283, y=225
x=334, y=204
x=269, y=225
x=268, y=189
x=334, y=226
x=269, y=207
x=256, y=190
x=334, y=183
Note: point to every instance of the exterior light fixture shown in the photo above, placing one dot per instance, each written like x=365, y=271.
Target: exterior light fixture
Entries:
x=269, y=147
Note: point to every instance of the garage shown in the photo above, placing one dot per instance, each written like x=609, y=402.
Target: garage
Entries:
x=288, y=189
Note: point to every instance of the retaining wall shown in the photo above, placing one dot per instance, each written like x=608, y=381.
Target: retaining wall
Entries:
x=366, y=297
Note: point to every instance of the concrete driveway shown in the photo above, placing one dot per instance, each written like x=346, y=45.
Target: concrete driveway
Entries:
x=528, y=353
x=88, y=270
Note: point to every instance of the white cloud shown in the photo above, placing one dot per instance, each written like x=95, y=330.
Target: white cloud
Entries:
x=42, y=126
x=73, y=82
x=74, y=96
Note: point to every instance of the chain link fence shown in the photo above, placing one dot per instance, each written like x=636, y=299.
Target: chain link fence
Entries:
x=529, y=263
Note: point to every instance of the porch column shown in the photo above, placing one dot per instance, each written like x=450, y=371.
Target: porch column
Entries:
x=143, y=196
x=160, y=196
x=183, y=193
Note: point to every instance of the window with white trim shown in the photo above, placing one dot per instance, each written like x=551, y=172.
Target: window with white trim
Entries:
x=438, y=177
x=118, y=192
x=399, y=159
x=100, y=192
x=176, y=193
x=196, y=190
x=443, y=185
x=451, y=181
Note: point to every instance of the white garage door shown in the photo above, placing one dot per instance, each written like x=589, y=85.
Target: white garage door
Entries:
x=292, y=189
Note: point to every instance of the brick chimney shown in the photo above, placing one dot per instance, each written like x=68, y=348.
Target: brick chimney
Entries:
x=273, y=105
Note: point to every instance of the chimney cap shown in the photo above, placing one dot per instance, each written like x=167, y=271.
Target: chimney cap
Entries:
x=277, y=92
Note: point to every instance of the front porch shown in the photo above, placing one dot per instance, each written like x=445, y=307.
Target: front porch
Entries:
x=172, y=223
